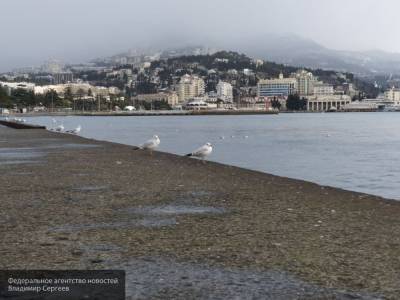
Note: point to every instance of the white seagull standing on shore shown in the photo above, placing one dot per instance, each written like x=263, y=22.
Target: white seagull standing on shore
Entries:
x=151, y=144
x=202, y=152
x=75, y=131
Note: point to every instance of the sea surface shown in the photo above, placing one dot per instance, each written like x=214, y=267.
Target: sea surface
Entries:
x=354, y=151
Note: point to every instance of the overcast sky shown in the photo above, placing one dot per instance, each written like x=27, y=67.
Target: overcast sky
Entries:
x=77, y=30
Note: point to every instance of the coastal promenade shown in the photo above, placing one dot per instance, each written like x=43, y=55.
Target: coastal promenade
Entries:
x=154, y=113
x=182, y=229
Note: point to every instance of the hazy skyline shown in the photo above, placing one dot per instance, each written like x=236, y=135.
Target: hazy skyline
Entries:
x=76, y=31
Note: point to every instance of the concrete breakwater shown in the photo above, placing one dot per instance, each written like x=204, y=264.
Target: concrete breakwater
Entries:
x=72, y=203
x=19, y=125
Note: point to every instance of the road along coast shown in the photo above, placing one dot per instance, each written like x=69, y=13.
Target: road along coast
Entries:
x=182, y=229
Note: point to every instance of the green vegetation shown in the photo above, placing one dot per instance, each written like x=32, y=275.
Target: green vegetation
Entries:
x=155, y=105
x=20, y=98
x=276, y=104
x=295, y=103
x=5, y=100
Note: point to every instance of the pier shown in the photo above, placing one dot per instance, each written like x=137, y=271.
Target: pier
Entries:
x=74, y=203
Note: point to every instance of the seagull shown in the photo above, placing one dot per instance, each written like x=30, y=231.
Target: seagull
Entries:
x=60, y=128
x=76, y=130
x=202, y=152
x=151, y=144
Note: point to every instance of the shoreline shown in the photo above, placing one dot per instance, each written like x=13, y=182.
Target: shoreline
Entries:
x=180, y=113
x=86, y=193
x=150, y=113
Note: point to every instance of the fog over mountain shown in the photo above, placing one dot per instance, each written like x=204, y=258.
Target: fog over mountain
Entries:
x=300, y=32
x=298, y=51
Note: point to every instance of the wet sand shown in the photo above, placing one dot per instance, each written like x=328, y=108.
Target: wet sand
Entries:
x=185, y=229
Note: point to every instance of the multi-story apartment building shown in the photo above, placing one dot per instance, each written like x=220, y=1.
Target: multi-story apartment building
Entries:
x=190, y=86
x=280, y=87
x=305, y=82
x=323, y=89
x=393, y=95
x=170, y=97
x=224, y=91
x=63, y=77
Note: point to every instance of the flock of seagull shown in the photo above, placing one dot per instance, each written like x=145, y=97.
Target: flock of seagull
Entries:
x=61, y=128
x=151, y=144
x=154, y=143
x=18, y=120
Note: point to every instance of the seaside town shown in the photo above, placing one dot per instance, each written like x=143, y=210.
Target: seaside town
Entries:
x=189, y=79
x=199, y=150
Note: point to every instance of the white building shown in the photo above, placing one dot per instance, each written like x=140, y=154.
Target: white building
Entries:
x=190, y=86
x=305, y=82
x=170, y=97
x=53, y=66
x=258, y=62
x=78, y=89
x=9, y=86
x=323, y=89
x=327, y=102
x=393, y=95
x=224, y=91
x=248, y=72
x=361, y=106
x=280, y=87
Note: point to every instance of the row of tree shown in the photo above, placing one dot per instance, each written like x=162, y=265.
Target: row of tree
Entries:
x=21, y=98
x=24, y=98
x=294, y=102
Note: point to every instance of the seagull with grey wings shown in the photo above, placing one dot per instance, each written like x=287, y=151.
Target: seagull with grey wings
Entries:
x=151, y=144
x=59, y=128
x=202, y=152
x=75, y=130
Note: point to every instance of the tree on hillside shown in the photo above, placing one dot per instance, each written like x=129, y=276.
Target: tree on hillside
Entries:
x=5, y=100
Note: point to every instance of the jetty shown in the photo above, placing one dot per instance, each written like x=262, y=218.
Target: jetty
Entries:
x=183, y=229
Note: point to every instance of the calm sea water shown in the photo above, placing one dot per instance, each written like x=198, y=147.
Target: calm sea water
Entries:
x=355, y=151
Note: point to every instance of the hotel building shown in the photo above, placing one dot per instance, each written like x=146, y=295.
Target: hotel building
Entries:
x=190, y=86
x=280, y=87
